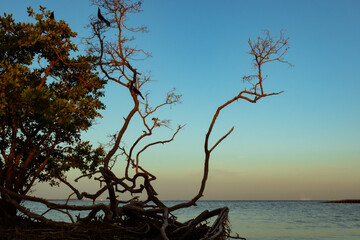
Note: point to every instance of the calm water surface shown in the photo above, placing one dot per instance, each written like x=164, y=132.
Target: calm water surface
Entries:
x=270, y=220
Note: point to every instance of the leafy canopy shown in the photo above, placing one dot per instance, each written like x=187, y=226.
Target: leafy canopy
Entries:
x=49, y=94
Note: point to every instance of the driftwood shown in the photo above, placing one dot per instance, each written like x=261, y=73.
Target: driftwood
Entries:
x=133, y=221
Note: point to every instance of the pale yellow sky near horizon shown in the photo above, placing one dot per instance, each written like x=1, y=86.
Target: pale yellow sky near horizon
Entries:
x=246, y=184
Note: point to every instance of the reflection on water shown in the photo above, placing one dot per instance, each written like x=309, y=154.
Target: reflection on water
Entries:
x=269, y=220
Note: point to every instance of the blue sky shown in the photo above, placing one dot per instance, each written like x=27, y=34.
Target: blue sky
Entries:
x=302, y=144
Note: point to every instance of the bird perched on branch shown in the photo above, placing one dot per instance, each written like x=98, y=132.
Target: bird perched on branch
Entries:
x=137, y=92
x=52, y=15
x=101, y=17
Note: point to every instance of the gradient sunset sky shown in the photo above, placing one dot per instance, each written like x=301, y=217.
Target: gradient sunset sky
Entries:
x=302, y=144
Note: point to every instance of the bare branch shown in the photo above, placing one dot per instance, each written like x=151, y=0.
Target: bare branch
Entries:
x=221, y=139
x=155, y=143
x=262, y=50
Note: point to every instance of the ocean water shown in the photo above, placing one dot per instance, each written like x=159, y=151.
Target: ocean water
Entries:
x=267, y=220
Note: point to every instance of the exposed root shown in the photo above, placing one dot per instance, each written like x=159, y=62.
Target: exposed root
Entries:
x=165, y=224
x=134, y=222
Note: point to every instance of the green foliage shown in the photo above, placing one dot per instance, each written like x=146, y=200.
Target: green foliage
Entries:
x=48, y=96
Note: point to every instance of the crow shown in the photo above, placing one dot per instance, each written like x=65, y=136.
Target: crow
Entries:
x=52, y=15
x=101, y=17
x=137, y=92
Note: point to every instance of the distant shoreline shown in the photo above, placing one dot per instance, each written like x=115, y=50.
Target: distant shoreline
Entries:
x=345, y=201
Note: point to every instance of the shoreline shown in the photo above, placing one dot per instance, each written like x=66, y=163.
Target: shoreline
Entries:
x=344, y=201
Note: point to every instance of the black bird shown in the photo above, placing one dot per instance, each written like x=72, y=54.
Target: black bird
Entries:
x=101, y=17
x=137, y=92
x=52, y=15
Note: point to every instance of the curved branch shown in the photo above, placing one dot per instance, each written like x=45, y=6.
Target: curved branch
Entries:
x=260, y=50
x=52, y=205
x=155, y=143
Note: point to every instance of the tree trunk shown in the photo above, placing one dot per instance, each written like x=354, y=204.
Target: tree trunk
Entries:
x=7, y=211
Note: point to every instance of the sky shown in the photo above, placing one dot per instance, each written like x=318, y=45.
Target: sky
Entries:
x=300, y=145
